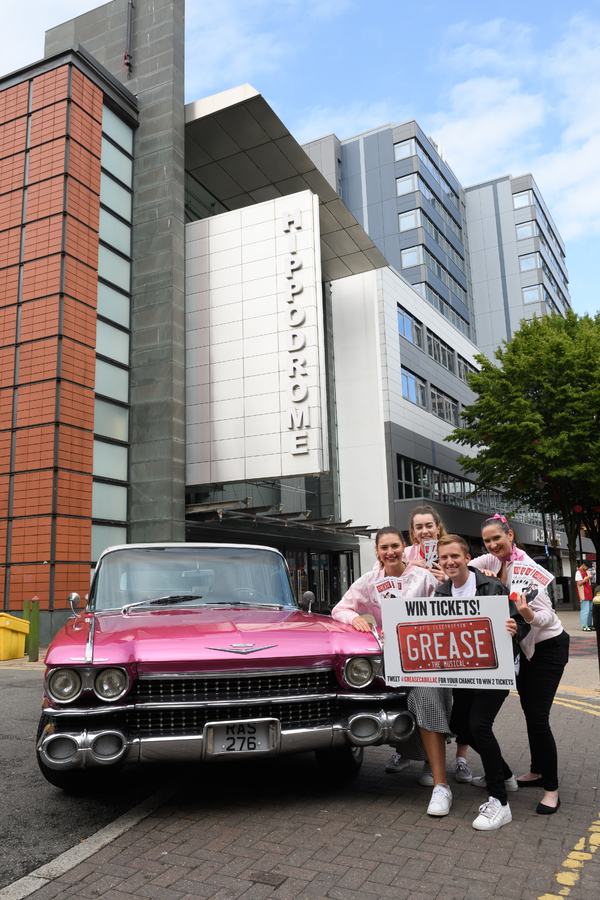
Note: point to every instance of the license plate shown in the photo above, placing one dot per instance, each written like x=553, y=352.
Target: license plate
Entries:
x=449, y=644
x=241, y=737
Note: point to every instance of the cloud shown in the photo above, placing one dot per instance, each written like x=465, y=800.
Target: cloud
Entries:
x=344, y=121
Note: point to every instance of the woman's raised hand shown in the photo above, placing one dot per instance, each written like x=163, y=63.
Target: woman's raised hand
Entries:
x=360, y=624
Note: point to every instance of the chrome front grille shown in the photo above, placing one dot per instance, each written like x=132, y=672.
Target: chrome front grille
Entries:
x=309, y=682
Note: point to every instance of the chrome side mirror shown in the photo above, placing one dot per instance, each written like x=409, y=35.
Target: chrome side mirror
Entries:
x=74, y=600
x=308, y=598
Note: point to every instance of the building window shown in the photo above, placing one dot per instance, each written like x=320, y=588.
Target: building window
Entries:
x=442, y=306
x=409, y=220
x=440, y=352
x=526, y=230
x=414, y=388
x=404, y=149
x=443, y=406
x=410, y=328
x=528, y=262
x=412, y=256
x=522, y=199
x=406, y=185
x=465, y=369
x=443, y=274
x=431, y=197
x=532, y=294
x=439, y=238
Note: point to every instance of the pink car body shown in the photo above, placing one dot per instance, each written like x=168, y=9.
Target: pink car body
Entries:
x=221, y=672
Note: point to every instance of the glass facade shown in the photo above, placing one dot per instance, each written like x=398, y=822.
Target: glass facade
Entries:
x=111, y=414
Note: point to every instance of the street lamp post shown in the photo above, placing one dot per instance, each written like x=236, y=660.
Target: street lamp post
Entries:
x=541, y=485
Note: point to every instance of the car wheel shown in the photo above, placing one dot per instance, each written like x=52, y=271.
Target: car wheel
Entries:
x=341, y=762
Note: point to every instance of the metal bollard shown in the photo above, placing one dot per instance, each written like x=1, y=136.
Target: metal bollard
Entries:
x=26, y=618
x=34, y=630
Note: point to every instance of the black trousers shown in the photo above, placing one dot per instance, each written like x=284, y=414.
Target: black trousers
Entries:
x=473, y=715
x=537, y=682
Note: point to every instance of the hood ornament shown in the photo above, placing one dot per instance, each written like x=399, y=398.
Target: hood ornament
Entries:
x=242, y=648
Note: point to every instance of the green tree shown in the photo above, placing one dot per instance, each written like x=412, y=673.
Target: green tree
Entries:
x=537, y=414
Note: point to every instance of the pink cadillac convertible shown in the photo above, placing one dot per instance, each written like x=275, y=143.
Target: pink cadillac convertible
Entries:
x=201, y=652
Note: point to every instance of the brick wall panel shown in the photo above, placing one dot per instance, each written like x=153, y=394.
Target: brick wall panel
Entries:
x=45, y=198
x=11, y=173
x=43, y=238
x=34, y=448
x=69, y=579
x=6, y=401
x=86, y=95
x=79, y=322
x=76, y=405
x=48, y=124
x=9, y=286
x=84, y=167
x=41, y=278
x=32, y=494
x=75, y=449
x=10, y=247
x=13, y=137
x=39, y=319
x=78, y=363
x=47, y=161
x=86, y=130
x=82, y=204
x=82, y=243
x=11, y=208
x=8, y=322
x=50, y=88
x=5, y=441
x=13, y=101
x=37, y=361
x=35, y=404
x=73, y=539
x=81, y=282
x=7, y=367
x=27, y=582
x=74, y=497
x=30, y=539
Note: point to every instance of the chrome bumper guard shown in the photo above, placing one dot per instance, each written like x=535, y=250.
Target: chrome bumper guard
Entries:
x=104, y=747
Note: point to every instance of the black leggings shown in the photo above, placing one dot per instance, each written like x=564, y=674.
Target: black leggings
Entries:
x=473, y=715
x=537, y=682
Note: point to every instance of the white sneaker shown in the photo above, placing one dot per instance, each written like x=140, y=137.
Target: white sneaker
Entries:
x=510, y=784
x=426, y=778
x=396, y=764
x=492, y=815
x=462, y=773
x=441, y=801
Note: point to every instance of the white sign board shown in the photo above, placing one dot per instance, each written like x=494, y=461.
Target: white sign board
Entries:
x=255, y=364
x=447, y=642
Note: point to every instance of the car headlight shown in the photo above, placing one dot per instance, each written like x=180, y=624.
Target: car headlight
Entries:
x=110, y=684
x=64, y=685
x=358, y=671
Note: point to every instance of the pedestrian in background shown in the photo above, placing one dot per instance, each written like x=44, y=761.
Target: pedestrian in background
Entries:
x=583, y=582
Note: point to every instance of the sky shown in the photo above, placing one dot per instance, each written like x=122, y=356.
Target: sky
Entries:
x=506, y=88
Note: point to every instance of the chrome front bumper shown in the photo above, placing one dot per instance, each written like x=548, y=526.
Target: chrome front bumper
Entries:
x=104, y=747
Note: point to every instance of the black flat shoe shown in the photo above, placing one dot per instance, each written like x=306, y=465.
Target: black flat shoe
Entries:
x=543, y=810
x=535, y=782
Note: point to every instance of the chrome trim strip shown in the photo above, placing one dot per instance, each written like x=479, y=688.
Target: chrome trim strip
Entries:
x=233, y=673
x=191, y=704
x=89, y=644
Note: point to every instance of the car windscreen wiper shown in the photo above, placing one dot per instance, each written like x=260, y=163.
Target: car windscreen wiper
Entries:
x=246, y=603
x=170, y=598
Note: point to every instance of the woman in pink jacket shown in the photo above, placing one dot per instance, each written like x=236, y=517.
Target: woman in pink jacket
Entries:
x=431, y=706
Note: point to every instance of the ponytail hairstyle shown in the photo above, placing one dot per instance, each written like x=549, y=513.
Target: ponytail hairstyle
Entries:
x=503, y=525
x=388, y=529
x=425, y=511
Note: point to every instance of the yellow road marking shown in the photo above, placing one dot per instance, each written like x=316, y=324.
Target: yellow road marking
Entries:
x=572, y=705
x=573, y=864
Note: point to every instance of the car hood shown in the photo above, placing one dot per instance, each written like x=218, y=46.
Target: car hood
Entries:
x=196, y=639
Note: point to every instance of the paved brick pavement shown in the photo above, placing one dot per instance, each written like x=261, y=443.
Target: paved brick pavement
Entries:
x=277, y=830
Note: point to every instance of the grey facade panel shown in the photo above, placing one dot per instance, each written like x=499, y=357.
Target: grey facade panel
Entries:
x=157, y=466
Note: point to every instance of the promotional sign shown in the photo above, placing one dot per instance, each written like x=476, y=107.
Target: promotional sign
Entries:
x=389, y=587
x=525, y=576
x=446, y=641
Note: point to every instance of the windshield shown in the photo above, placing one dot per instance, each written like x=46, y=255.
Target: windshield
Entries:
x=210, y=576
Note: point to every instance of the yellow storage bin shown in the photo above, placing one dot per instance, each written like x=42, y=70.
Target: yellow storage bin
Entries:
x=12, y=636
